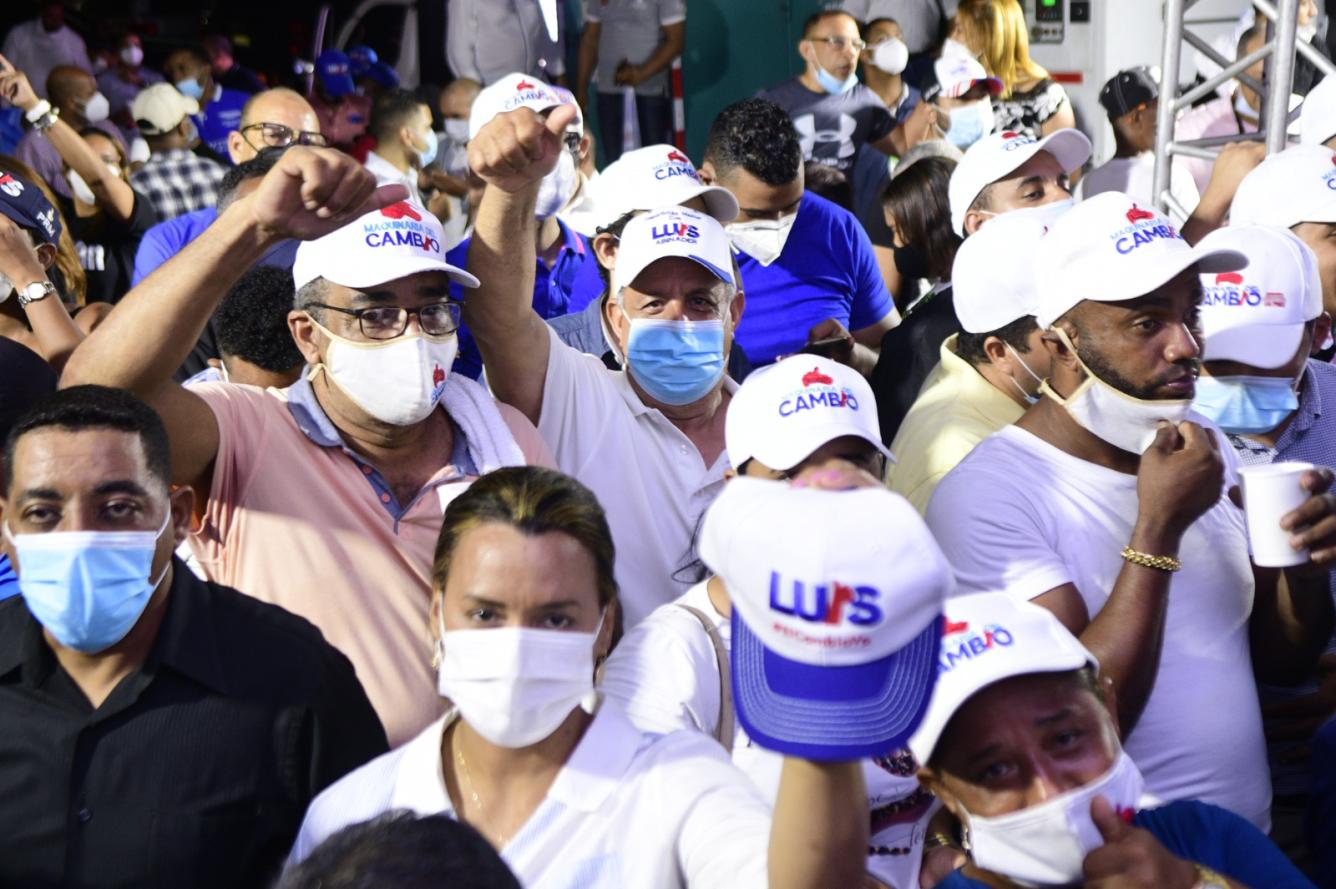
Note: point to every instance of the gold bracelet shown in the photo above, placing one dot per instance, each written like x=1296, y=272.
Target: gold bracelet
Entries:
x=1146, y=560
x=938, y=840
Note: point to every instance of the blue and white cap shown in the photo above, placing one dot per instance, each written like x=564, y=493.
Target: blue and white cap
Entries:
x=27, y=207
x=508, y=94
x=990, y=637
x=676, y=231
x=837, y=614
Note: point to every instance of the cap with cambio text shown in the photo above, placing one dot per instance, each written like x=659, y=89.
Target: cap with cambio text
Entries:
x=997, y=155
x=784, y=412
x=507, y=94
x=837, y=602
x=676, y=231
x=654, y=177
x=1292, y=186
x=577, y=124
x=990, y=637
x=1317, y=119
x=1256, y=316
x=1108, y=248
x=1128, y=90
x=335, y=71
x=993, y=278
x=160, y=108
x=383, y=245
x=28, y=208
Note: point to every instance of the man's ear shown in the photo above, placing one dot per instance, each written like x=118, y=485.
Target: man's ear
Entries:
x=1321, y=329
x=181, y=500
x=1057, y=349
x=605, y=250
x=305, y=335
x=236, y=144
x=997, y=353
x=707, y=173
x=736, y=306
x=974, y=220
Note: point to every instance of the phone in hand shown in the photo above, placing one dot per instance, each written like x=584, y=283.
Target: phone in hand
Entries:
x=826, y=348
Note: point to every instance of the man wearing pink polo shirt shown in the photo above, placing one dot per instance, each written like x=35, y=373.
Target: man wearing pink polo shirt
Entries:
x=325, y=497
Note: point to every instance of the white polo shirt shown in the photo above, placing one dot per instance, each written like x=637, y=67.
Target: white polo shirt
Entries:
x=387, y=174
x=649, y=477
x=627, y=809
x=665, y=675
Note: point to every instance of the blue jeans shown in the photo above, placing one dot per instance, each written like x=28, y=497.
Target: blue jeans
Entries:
x=654, y=114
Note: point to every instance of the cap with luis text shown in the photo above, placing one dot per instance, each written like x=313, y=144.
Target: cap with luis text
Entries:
x=837, y=614
x=990, y=637
x=676, y=231
x=1256, y=316
x=383, y=245
x=784, y=412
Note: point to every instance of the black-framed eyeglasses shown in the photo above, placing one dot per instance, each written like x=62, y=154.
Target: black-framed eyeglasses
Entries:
x=839, y=43
x=572, y=141
x=276, y=135
x=388, y=322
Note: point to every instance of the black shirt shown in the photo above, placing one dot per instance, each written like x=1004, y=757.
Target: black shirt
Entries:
x=909, y=352
x=107, y=247
x=196, y=770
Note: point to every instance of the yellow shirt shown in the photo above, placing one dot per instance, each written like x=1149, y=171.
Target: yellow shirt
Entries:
x=955, y=410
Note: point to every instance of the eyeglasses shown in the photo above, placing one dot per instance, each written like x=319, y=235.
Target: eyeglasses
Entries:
x=276, y=135
x=839, y=43
x=572, y=141
x=388, y=322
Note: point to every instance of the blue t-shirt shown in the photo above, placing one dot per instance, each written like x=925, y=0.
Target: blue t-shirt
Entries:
x=1210, y=836
x=569, y=286
x=220, y=117
x=827, y=270
x=165, y=240
x=9, y=581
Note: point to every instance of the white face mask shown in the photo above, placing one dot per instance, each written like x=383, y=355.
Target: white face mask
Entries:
x=456, y=129
x=1029, y=399
x=557, y=187
x=1113, y=415
x=97, y=108
x=764, y=239
x=891, y=55
x=1306, y=32
x=513, y=685
x=1045, y=845
x=82, y=193
x=397, y=381
x=132, y=55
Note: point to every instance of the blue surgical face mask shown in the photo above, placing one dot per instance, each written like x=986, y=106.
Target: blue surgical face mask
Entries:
x=970, y=123
x=190, y=87
x=428, y=154
x=675, y=362
x=87, y=588
x=832, y=84
x=1245, y=404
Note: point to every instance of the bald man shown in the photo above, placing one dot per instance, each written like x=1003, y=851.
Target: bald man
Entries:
x=74, y=92
x=274, y=117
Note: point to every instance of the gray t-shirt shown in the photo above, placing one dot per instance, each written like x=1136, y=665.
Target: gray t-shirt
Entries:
x=832, y=128
x=632, y=30
x=488, y=39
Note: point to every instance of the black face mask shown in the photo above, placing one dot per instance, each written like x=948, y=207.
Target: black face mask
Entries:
x=911, y=263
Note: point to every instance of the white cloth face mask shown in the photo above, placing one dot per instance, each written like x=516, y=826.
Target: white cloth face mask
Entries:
x=398, y=381
x=515, y=686
x=1046, y=845
x=764, y=239
x=556, y=187
x=1113, y=415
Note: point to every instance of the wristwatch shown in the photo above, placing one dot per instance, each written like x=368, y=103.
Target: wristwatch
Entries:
x=1208, y=879
x=31, y=293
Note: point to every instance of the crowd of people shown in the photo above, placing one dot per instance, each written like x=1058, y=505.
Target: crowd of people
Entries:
x=392, y=494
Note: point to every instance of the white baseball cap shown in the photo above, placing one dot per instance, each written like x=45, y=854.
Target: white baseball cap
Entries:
x=990, y=637
x=784, y=412
x=673, y=231
x=383, y=245
x=837, y=614
x=654, y=177
x=160, y=108
x=993, y=281
x=1317, y=118
x=958, y=74
x=997, y=155
x=577, y=124
x=1292, y=186
x=1108, y=248
x=1256, y=316
x=510, y=92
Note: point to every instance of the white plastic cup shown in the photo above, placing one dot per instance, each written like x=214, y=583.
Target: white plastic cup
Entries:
x=1269, y=493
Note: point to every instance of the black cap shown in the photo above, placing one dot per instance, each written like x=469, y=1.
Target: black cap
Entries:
x=25, y=204
x=1127, y=89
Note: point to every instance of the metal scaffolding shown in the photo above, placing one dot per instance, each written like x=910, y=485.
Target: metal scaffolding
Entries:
x=1278, y=52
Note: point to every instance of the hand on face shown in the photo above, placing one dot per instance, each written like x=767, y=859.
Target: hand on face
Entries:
x=313, y=191
x=1180, y=476
x=1131, y=858
x=517, y=149
x=18, y=257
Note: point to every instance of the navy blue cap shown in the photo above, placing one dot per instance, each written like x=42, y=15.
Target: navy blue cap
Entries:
x=384, y=75
x=1129, y=89
x=25, y=204
x=362, y=58
x=335, y=72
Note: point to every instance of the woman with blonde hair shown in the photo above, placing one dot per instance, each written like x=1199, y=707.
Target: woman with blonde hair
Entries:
x=1031, y=102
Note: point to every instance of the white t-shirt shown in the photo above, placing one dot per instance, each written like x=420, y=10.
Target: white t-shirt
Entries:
x=387, y=174
x=651, y=479
x=627, y=811
x=1134, y=176
x=1020, y=516
x=665, y=675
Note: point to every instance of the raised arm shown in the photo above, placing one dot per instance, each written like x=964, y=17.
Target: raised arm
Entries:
x=310, y=192
x=113, y=194
x=512, y=154
x=56, y=333
x=833, y=796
